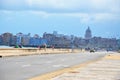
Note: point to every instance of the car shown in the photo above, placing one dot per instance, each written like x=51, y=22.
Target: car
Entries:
x=92, y=51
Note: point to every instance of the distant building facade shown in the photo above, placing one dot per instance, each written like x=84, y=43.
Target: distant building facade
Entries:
x=7, y=38
x=19, y=38
x=27, y=40
x=14, y=40
x=88, y=33
x=61, y=40
x=1, y=40
x=22, y=39
x=57, y=40
x=37, y=41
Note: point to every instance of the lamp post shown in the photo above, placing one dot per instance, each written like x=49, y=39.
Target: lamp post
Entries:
x=72, y=43
x=119, y=44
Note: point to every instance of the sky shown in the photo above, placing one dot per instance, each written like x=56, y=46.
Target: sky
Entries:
x=69, y=17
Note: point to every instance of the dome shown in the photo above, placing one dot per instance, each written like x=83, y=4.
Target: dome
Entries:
x=88, y=34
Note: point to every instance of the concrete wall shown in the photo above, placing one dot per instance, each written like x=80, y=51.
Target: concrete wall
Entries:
x=32, y=51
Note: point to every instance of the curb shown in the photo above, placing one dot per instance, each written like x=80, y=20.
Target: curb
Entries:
x=33, y=54
x=30, y=54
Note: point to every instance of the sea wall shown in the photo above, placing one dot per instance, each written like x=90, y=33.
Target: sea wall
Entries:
x=33, y=51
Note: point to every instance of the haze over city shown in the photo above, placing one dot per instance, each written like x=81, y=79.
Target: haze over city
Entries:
x=70, y=17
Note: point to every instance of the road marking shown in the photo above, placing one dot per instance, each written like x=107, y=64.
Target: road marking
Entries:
x=57, y=65
x=48, y=62
x=26, y=65
x=72, y=58
x=62, y=59
x=60, y=65
x=65, y=66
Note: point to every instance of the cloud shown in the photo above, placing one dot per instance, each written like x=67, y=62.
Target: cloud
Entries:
x=56, y=4
x=90, y=6
x=88, y=11
x=85, y=18
x=74, y=4
x=13, y=5
x=6, y=12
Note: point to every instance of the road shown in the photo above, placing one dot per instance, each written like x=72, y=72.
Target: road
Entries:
x=25, y=67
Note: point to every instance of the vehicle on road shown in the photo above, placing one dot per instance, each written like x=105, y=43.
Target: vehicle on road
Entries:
x=92, y=50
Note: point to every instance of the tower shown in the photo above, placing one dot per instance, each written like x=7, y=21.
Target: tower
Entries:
x=88, y=34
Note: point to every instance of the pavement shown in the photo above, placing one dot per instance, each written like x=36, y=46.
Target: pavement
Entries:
x=26, y=67
x=106, y=68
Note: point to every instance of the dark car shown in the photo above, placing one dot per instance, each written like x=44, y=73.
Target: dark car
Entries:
x=92, y=51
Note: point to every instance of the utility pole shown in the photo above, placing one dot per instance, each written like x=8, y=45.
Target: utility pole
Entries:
x=119, y=43
x=72, y=43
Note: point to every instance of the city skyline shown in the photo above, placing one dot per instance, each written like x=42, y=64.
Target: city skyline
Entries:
x=59, y=41
x=67, y=17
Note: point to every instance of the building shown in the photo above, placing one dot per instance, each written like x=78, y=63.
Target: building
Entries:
x=19, y=38
x=14, y=40
x=7, y=38
x=25, y=39
x=37, y=41
x=22, y=39
x=88, y=33
x=55, y=33
x=49, y=37
x=118, y=42
x=61, y=41
x=57, y=40
x=1, y=42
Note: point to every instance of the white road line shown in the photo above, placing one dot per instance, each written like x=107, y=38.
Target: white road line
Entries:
x=26, y=65
x=65, y=65
x=60, y=65
x=57, y=65
x=48, y=62
x=72, y=58
x=62, y=59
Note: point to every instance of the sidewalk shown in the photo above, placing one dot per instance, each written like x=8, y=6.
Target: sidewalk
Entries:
x=107, y=68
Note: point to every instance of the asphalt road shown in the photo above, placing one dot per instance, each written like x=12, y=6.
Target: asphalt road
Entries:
x=25, y=67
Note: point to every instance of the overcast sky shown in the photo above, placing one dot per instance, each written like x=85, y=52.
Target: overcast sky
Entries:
x=70, y=17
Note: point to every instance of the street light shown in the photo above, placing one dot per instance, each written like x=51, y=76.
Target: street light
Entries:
x=119, y=44
x=72, y=43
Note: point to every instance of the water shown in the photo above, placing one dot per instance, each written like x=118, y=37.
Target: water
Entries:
x=3, y=46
